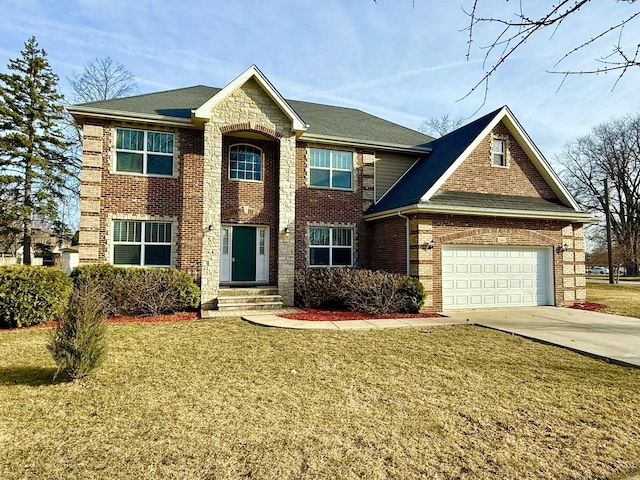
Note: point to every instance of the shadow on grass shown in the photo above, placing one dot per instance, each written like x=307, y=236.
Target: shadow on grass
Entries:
x=32, y=376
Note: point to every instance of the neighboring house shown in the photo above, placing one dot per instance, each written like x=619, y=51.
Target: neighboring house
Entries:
x=240, y=187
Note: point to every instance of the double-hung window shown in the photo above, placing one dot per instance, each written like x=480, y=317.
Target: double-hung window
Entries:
x=245, y=163
x=142, y=243
x=144, y=152
x=499, y=152
x=330, y=168
x=330, y=247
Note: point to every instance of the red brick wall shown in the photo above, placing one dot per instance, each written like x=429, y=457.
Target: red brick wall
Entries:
x=261, y=198
x=178, y=197
x=521, y=178
x=323, y=205
x=468, y=230
x=389, y=244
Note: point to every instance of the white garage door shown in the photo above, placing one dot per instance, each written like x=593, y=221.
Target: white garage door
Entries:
x=476, y=277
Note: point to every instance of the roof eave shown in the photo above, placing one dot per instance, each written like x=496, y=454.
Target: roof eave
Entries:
x=80, y=112
x=578, y=217
x=392, y=147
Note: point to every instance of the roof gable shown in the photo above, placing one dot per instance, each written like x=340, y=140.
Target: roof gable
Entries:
x=425, y=179
x=204, y=111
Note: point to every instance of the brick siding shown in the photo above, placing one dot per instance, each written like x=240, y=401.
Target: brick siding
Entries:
x=520, y=177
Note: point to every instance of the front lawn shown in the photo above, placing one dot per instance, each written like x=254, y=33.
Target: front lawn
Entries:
x=226, y=399
x=620, y=299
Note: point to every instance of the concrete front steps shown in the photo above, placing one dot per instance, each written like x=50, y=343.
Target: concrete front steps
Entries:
x=251, y=298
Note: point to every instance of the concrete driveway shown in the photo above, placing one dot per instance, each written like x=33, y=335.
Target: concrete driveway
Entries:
x=608, y=336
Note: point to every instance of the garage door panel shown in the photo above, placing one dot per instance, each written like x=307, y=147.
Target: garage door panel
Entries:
x=488, y=276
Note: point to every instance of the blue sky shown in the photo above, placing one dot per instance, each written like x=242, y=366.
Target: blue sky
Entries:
x=392, y=59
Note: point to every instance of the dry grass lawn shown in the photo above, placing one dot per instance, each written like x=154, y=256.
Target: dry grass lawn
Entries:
x=620, y=299
x=225, y=399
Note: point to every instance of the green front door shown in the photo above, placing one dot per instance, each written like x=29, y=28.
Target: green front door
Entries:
x=243, y=248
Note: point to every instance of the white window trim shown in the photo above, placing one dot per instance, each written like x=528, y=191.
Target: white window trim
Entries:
x=331, y=227
x=114, y=157
x=111, y=218
x=244, y=179
x=505, y=153
x=331, y=150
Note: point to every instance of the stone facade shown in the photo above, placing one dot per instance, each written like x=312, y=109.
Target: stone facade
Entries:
x=247, y=109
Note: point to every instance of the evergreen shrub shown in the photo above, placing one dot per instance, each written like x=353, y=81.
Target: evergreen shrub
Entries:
x=30, y=295
x=78, y=343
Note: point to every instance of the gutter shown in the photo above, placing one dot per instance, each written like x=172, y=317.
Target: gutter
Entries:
x=484, y=212
x=129, y=116
x=354, y=142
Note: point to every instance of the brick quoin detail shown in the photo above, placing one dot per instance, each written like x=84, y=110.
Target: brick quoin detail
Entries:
x=324, y=205
x=179, y=197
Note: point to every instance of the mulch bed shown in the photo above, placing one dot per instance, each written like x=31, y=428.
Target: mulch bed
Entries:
x=590, y=306
x=313, y=315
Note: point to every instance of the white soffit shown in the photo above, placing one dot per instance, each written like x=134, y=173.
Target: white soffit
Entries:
x=204, y=111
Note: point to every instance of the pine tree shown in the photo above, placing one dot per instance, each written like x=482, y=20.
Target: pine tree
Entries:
x=34, y=170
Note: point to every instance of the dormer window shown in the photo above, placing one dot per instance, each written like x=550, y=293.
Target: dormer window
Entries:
x=499, y=152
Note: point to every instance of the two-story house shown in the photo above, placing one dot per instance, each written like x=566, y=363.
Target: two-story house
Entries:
x=240, y=187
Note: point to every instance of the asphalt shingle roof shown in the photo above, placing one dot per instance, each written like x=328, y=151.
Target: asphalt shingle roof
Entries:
x=498, y=202
x=326, y=120
x=426, y=172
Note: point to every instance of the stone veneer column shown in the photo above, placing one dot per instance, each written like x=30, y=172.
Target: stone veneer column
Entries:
x=421, y=257
x=90, y=203
x=211, y=202
x=286, y=219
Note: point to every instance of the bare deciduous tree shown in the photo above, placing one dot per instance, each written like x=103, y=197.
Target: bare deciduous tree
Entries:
x=440, y=126
x=612, y=151
x=102, y=79
x=519, y=26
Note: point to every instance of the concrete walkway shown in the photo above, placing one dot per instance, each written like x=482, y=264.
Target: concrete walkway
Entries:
x=271, y=320
x=611, y=337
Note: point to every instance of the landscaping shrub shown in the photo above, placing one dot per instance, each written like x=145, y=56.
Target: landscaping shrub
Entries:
x=141, y=291
x=368, y=291
x=154, y=291
x=31, y=295
x=78, y=343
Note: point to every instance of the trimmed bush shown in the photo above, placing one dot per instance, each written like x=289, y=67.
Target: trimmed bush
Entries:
x=141, y=291
x=32, y=295
x=78, y=343
x=368, y=291
x=154, y=291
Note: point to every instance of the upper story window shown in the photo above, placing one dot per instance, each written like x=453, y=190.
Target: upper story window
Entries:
x=144, y=152
x=245, y=163
x=330, y=247
x=330, y=168
x=499, y=152
x=142, y=243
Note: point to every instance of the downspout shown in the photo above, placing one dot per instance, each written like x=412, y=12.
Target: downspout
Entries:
x=408, y=246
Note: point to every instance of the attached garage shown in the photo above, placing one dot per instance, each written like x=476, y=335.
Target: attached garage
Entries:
x=496, y=276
